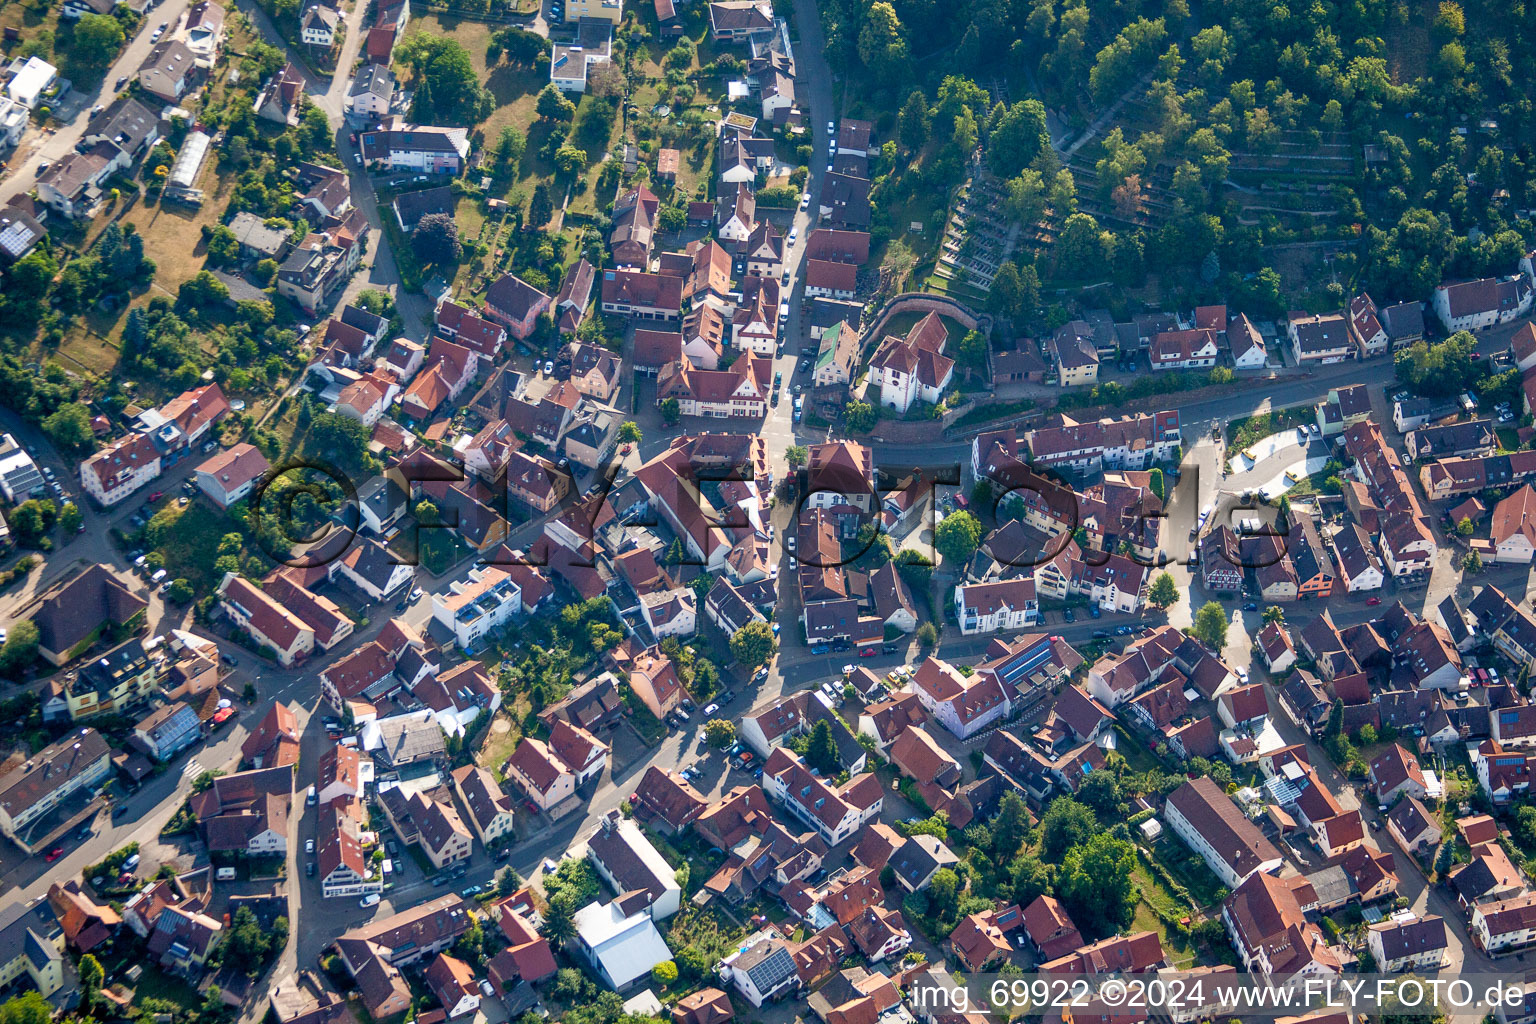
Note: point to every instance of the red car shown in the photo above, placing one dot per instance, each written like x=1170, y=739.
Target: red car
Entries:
x=867, y=652
x=157, y=496
x=54, y=854
x=1373, y=601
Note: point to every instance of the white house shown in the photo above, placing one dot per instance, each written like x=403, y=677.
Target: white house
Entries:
x=370, y=567
x=470, y=610
x=344, y=869
x=232, y=474
x=620, y=947
x=1211, y=825
x=1507, y=924
x=996, y=605
x=121, y=468
x=671, y=612
x=762, y=971
x=372, y=92
x=965, y=705
x=1410, y=944
x=626, y=860
x=1478, y=305
x=317, y=26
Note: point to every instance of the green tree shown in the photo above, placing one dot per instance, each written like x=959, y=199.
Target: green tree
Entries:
x=507, y=881
x=882, y=44
x=860, y=416
x=971, y=353
x=664, y=973
x=223, y=246
x=558, y=926
x=1465, y=527
x=1080, y=249
x=1010, y=826
x=944, y=889
x=912, y=123
x=1164, y=592
x=1157, y=484
x=1210, y=626
x=436, y=240
x=541, y=206
x=441, y=66
x=957, y=537
x=180, y=591
x=570, y=159
x=27, y=1008
x=1472, y=563
x=719, y=732
x=1066, y=824
x=245, y=944
x=552, y=105
x=97, y=39
x=1274, y=613
x=753, y=645
x=91, y=977
x=510, y=146
x=671, y=411
x=821, y=752
x=1096, y=885
x=70, y=518
x=796, y=455
x=629, y=432
x=1028, y=878
x=202, y=292
x=927, y=635
x=19, y=650
x=1017, y=138
x=69, y=427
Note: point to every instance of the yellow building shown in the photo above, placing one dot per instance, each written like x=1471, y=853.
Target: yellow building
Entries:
x=31, y=944
x=603, y=10
x=107, y=684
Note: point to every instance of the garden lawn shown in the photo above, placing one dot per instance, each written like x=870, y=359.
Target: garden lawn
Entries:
x=191, y=546
x=1191, y=872
x=155, y=984
x=1245, y=430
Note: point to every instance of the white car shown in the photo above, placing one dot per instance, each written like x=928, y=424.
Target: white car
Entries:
x=1242, y=676
x=309, y=846
x=712, y=709
x=371, y=900
x=550, y=867
x=794, y=233
x=831, y=127
x=805, y=200
x=829, y=167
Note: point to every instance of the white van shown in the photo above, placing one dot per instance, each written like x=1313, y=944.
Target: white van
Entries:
x=157, y=577
x=312, y=798
x=225, y=874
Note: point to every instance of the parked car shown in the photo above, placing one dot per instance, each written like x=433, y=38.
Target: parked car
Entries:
x=309, y=846
x=371, y=900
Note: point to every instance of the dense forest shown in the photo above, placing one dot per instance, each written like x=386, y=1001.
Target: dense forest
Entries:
x=1397, y=131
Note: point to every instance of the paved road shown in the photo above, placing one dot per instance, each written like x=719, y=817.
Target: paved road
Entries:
x=1197, y=417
